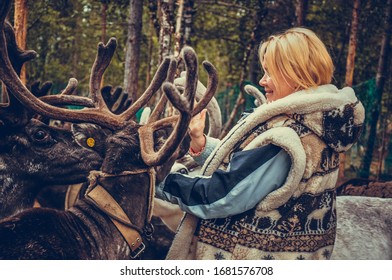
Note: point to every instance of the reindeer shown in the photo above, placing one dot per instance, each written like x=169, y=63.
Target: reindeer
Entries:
x=113, y=219
x=272, y=216
x=32, y=153
x=318, y=214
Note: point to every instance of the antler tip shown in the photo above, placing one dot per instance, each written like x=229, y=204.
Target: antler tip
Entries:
x=28, y=55
x=190, y=59
x=112, y=40
x=73, y=81
x=209, y=67
x=187, y=49
x=167, y=59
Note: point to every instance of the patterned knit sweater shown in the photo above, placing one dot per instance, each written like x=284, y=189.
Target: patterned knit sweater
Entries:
x=298, y=220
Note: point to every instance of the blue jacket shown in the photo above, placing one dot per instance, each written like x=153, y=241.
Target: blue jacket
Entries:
x=250, y=176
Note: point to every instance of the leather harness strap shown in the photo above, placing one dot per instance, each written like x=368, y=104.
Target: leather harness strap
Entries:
x=98, y=196
x=105, y=202
x=72, y=195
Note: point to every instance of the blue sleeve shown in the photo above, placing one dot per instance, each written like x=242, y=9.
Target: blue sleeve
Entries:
x=211, y=143
x=251, y=175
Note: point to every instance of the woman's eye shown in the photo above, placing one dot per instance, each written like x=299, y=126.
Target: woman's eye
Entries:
x=40, y=135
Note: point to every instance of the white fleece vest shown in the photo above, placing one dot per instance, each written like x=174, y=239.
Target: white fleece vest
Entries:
x=298, y=220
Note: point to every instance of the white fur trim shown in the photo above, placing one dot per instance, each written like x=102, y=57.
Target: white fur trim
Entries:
x=181, y=248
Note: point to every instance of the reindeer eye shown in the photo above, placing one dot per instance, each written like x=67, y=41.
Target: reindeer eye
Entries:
x=40, y=135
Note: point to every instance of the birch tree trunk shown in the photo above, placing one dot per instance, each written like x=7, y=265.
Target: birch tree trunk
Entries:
x=165, y=16
x=178, y=34
x=20, y=26
x=380, y=82
x=350, y=64
x=165, y=13
x=132, y=57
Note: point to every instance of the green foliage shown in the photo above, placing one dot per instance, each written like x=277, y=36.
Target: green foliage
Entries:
x=222, y=34
x=65, y=35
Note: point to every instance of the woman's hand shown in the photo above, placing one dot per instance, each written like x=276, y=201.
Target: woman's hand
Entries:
x=196, y=131
x=197, y=124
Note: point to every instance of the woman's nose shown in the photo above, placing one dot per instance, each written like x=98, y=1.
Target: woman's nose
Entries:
x=263, y=80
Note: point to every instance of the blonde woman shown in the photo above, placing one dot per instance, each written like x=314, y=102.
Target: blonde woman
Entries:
x=267, y=190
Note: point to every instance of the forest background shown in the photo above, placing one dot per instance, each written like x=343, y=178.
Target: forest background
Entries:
x=65, y=34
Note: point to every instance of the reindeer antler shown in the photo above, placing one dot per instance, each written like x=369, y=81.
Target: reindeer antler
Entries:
x=160, y=106
x=12, y=112
x=116, y=100
x=65, y=97
x=19, y=56
x=212, y=85
x=40, y=90
x=183, y=103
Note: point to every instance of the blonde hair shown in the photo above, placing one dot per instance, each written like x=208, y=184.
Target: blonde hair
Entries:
x=298, y=55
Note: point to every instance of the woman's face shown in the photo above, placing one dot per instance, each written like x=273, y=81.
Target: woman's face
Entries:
x=286, y=86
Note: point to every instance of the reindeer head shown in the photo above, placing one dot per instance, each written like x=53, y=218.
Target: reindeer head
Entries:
x=34, y=155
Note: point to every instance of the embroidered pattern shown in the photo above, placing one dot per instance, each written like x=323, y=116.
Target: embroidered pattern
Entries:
x=297, y=226
x=299, y=128
x=219, y=256
x=339, y=129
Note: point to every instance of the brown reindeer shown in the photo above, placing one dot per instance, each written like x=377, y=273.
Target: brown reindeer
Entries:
x=113, y=219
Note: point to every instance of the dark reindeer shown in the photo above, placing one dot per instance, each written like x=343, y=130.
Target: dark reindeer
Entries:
x=31, y=152
x=115, y=227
